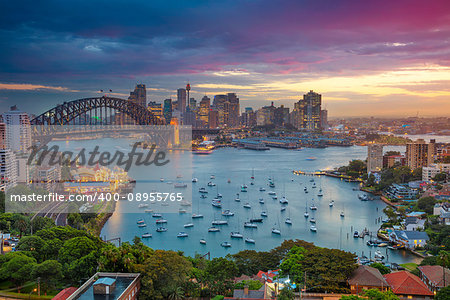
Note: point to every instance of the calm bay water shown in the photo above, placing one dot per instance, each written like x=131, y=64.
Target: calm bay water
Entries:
x=237, y=165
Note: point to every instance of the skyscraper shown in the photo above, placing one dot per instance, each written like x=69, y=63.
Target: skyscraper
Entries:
x=374, y=158
x=419, y=154
x=233, y=110
x=324, y=119
x=138, y=96
x=203, y=111
x=156, y=109
x=181, y=99
x=167, y=110
x=8, y=171
x=18, y=130
x=307, y=112
x=213, y=118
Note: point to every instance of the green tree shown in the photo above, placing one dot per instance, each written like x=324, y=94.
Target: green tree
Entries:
x=18, y=268
x=426, y=204
x=34, y=244
x=292, y=264
x=76, y=248
x=286, y=294
x=50, y=273
x=382, y=268
x=440, y=177
x=252, y=284
x=443, y=294
x=39, y=223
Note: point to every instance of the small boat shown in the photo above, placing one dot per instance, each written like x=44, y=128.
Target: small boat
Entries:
x=256, y=220
x=271, y=184
x=140, y=221
x=142, y=225
x=313, y=207
x=271, y=193
x=213, y=229
x=229, y=180
x=372, y=243
x=211, y=183
x=249, y=241
x=143, y=205
x=182, y=234
x=305, y=189
x=312, y=220
x=283, y=208
x=146, y=235
x=311, y=158
x=148, y=210
x=212, y=177
x=203, y=196
x=226, y=244
x=306, y=214
x=227, y=213
x=356, y=234
x=236, y=235
x=261, y=201
x=188, y=225
x=247, y=205
x=382, y=245
x=311, y=180
x=261, y=189
x=237, y=199
x=179, y=176
x=274, y=197
x=194, y=179
x=250, y=225
x=378, y=254
x=197, y=216
x=161, y=229
x=263, y=214
x=161, y=179
x=202, y=241
x=219, y=195
x=161, y=221
x=331, y=203
x=288, y=221
x=182, y=211
x=202, y=190
x=313, y=228
x=284, y=200
x=363, y=197
x=276, y=231
x=342, y=214
x=392, y=248
x=252, y=183
x=320, y=194
x=314, y=185
x=243, y=188
x=180, y=185
x=219, y=222
x=217, y=204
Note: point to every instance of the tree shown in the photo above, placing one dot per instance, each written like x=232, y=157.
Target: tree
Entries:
x=76, y=248
x=443, y=294
x=17, y=268
x=371, y=180
x=426, y=204
x=382, y=268
x=34, y=244
x=50, y=273
x=286, y=294
x=252, y=284
x=292, y=264
x=440, y=177
x=40, y=223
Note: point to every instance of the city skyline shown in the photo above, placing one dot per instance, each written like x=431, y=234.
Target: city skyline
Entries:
x=362, y=57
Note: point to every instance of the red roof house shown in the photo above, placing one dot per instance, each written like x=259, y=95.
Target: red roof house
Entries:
x=65, y=293
x=435, y=277
x=268, y=276
x=406, y=284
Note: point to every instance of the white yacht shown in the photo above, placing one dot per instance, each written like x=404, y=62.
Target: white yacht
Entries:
x=284, y=200
x=213, y=229
x=288, y=221
x=236, y=235
x=182, y=234
x=202, y=241
x=197, y=216
x=227, y=213
x=263, y=214
x=188, y=225
x=276, y=231
x=147, y=235
x=313, y=228
x=261, y=189
x=219, y=222
x=247, y=205
x=250, y=225
x=226, y=244
x=194, y=179
x=249, y=241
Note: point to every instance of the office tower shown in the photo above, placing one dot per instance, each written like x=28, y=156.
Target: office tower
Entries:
x=265, y=115
x=167, y=110
x=181, y=100
x=419, y=154
x=18, y=130
x=219, y=104
x=281, y=116
x=324, y=119
x=233, y=110
x=156, y=109
x=139, y=95
x=189, y=118
x=213, y=118
x=249, y=117
x=192, y=104
x=374, y=158
x=203, y=112
x=307, y=111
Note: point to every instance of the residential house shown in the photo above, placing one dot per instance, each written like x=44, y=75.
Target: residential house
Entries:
x=435, y=277
x=443, y=211
x=365, y=278
x=408, y=286
x=410, y=239
x=268, y=276
x=249, y=294
x=401, y=192
x=414, y=223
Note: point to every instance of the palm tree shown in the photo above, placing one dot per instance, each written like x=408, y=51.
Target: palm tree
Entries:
x=177, y=294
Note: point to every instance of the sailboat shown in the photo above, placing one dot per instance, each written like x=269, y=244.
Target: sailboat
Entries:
x=237, y=199
x=198, y=215
x=342, y=214
x=306, y=214
x=288, y=219
x=253, y=174
x=313, y=228
x=331, y=203
x=249, y=241
x=276, y=230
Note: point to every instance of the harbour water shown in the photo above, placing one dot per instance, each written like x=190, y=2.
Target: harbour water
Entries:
x=234, y=167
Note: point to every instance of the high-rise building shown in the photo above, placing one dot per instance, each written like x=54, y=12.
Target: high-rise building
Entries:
x=265, y=115
x=192, y=104
x=156, y=109
x=139, y=95
x=213, y=118
x=167, y=110
x=419, y=154
x=307, y=112
x=233, y=110
x=281, y=116
x=8, y=171
x=324, y=119
x=374, y=158
x=221, y=106
x=181, y=99
x=203, y=112
x=18, y=130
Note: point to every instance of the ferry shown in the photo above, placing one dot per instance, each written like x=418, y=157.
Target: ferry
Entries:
x=182, y=234
x=197, y=216
x=249, y=241
x=188, y=225
x=213, y=229
x=161, y=229
x=147, y=235
x=226, y=244
x=236, y=235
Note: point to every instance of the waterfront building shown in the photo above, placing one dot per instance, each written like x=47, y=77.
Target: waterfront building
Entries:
x=374, y=158
x=227, y=107
x=156, y=109
x=435, y=277
x=401, y=192
x=203, y=111
x=365, y=278
x=167, y=110
x=432, y=170
x=408, y=286
x=307, y=112
x=409, y=239
x=419, y=154
x=181, y=99
x=17, y=130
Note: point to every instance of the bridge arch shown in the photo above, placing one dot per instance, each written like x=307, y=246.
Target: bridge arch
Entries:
x=63, y=114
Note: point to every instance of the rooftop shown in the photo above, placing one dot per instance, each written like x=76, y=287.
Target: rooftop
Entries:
x=367, y=276
x=436, y=275
x=405, y=283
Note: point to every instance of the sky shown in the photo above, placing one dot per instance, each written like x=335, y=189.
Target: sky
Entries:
x=366, y=58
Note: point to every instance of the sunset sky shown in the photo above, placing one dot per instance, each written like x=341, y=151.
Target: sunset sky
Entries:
x=366, y=58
